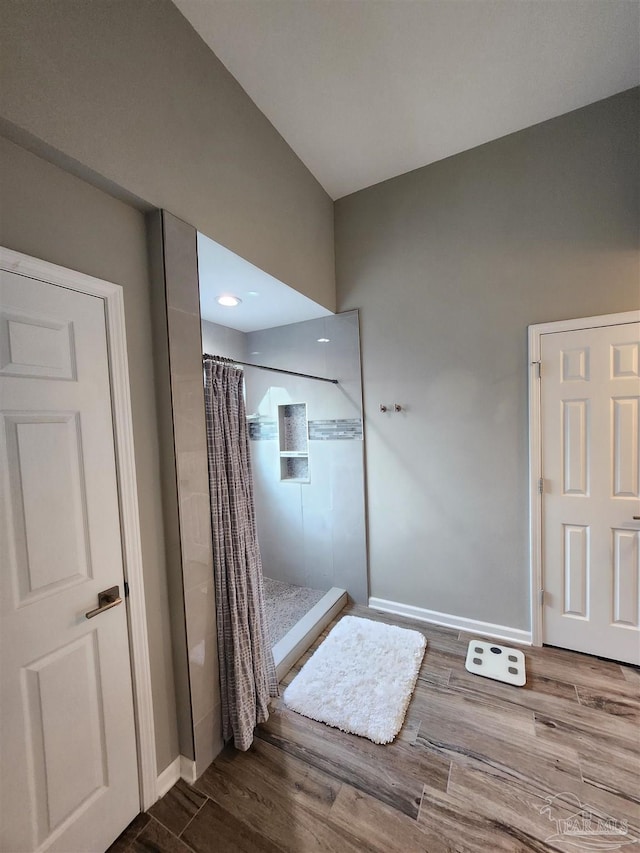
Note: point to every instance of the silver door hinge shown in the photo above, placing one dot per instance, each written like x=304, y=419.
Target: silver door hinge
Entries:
x=541, y=485
x=541, y=597
x=538, y=365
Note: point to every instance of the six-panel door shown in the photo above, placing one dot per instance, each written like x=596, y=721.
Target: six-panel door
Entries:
x=590, y=395
x=68, y=764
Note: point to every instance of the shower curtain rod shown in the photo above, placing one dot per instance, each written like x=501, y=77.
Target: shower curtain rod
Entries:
x=264, y=367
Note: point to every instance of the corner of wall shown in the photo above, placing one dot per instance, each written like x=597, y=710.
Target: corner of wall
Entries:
x=162, y=378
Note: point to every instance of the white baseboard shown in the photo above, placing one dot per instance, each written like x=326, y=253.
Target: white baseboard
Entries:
x=460, y=623
x=180, y=768
x=187, y=770
x=168, y=778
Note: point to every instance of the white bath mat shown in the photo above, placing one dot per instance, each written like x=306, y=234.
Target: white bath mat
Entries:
x=360, y=679
x=498, y=662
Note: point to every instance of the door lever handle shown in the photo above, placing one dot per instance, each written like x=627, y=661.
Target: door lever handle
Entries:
x=636, y=517
x=107, y=599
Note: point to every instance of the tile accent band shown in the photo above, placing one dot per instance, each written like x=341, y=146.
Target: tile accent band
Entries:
x=337, y=429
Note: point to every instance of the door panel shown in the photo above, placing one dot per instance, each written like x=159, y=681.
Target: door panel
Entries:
x=626, y=360
x=575, y=446
x=625, y=447
x=68, y=678
x=626, y=578
x=590, y=390
x=36, y=346
x=68, y=751
x=576, y=569
x=43, y=463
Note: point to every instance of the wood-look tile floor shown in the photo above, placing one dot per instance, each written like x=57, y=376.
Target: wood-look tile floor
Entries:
x=471, y=769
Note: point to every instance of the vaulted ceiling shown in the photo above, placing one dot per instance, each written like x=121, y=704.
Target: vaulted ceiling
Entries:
x=364, y=90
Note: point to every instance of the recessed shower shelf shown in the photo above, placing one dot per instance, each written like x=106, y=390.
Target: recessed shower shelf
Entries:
x=294, y=469
x=293, y=442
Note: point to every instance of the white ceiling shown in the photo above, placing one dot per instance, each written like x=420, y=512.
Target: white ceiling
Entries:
x=266, y=302
x=364, y=90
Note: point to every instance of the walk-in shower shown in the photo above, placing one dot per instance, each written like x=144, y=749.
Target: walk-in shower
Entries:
x=304, y=412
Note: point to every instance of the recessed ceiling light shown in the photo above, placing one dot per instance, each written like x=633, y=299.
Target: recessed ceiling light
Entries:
x=324, y=340
x=228, y=300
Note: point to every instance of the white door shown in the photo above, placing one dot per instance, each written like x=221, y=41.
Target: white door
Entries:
x=69, y=778
x=590, y=388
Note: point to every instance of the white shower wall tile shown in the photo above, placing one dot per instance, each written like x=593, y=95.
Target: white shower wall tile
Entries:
x=221, y=340
x=317, y=496
x=318, y=550
x=204, y=675
x=208, y=738
x=265, y=462
x=343, y=352
x=293, y=347
x=187, y=413
x=296, y=347
x=278, y=514
x=311, y=534
x=264, y=395
x=304, y=554
x=348, y=527
x=282, y=552
x=201, y=606
x=307, y=348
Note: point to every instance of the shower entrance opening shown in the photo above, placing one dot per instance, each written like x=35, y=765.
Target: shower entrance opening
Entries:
x=303, y=399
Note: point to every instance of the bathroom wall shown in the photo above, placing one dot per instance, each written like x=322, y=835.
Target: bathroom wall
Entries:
x=128, y=95
x=449, y=264
x=220, y=340
x=185, y=486
x=49, y=214
x=311, y=534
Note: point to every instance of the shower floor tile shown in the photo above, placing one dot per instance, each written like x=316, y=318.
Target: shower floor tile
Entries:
x=286, y=604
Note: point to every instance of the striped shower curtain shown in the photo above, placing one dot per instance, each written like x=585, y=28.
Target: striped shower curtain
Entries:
x=247, y=671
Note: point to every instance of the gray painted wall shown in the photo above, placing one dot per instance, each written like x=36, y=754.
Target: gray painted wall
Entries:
x=50, y=214
x=130, y=93
x=129, y=98
x=449, y=264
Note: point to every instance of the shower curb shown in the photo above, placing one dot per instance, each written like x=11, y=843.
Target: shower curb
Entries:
x=296, y=641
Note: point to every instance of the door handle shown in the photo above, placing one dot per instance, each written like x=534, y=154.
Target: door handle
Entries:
x=107, y=599
x=636, y=517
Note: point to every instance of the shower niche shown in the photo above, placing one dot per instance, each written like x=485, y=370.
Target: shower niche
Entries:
x=293, y=439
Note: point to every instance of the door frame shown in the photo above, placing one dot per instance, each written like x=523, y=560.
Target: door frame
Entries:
x=535, y=446
x=113, y=298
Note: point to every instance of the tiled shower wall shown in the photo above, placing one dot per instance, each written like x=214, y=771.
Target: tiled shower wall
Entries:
x=220, y=340
x=311, y=534
x=173, y=258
